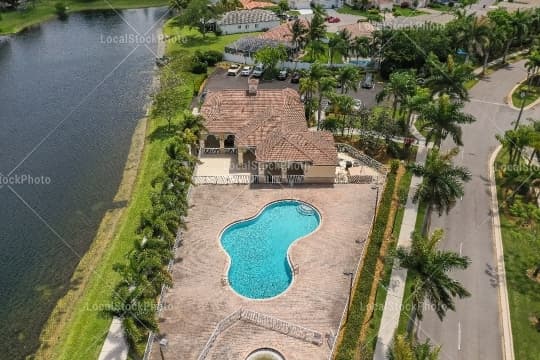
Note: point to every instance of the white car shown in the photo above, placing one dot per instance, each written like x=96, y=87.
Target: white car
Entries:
x=246, y=71
x=234, y=69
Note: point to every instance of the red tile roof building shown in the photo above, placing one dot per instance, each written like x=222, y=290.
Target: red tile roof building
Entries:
x=270, y=124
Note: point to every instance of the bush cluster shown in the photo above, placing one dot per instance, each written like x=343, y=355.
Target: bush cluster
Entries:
x=360, y=305
x=200, y=61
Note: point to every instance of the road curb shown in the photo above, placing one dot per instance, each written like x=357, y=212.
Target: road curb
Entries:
x=504, y=306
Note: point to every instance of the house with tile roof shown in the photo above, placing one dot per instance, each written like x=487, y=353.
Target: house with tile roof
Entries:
x=267, y=131
x=242, y=21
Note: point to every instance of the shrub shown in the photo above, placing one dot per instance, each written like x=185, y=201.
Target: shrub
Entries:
x=61, y=10
x=198, y=66
x=212, y=57
x=394, y=166
x=405, y=5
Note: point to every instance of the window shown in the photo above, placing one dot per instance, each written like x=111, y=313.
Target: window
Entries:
x=239, y=26
x=247, y=26
x=256, y=26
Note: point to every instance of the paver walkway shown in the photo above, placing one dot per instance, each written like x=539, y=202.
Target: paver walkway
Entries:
x=396, y=289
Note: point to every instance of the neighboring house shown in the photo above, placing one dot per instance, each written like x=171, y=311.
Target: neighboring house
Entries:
x=241, y=21
x=359, y=29
x=282, y=33
x=306, y=4
x=267, y=132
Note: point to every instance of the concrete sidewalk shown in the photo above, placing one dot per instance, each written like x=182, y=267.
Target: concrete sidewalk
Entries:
x=115, y=346
x=396, y=288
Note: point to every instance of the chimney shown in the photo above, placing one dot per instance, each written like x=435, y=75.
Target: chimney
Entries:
x=253, y=84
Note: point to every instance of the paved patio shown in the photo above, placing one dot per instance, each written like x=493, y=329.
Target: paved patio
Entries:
x=200, y=298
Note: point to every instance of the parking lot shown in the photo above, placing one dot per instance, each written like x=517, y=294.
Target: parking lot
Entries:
x=219, y=80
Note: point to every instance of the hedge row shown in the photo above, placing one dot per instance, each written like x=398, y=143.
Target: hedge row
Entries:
x=357, y=312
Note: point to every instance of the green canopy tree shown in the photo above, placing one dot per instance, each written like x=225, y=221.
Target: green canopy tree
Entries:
x=401, y=85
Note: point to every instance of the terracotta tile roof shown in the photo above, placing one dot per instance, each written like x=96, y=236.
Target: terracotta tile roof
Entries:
x=272, y=121
x=282, y=32
x=249, y=4
x=361, y=29
x=317, y=148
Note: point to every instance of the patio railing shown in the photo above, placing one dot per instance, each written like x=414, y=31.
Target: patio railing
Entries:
x=360, y=156
x=210, y=151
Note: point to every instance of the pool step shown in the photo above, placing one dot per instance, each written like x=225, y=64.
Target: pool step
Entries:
x=305, y=209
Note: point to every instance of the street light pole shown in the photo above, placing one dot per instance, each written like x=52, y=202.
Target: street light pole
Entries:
x=351, y=276
x=522, y=95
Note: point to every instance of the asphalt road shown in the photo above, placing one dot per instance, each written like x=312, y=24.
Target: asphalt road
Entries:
x=474, y=331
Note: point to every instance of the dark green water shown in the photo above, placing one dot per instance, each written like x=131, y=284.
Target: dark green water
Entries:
x=70, y=96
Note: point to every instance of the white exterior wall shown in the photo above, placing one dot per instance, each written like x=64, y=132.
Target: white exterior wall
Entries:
x=244, y=28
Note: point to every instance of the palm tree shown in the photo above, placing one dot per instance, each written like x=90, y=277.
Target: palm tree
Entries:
x=406, y=348
x=442, y=185
x=342, y=106
x=360, y=47
x=475, y=34
x=335, y=43
x=416, y=102
x=326, y=87
x=400, y=85
x=298, y=33
x=448, y=78
x=444, y=117
x=348, y=77
x=533, y=66
x=430, y=268
x=308, y=87
x=318, y=10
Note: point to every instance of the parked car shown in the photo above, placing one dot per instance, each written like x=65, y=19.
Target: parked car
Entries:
x=333, y=19
x=283, y=74
x=246, y=71
x=233, y=70
x=295, y=78
x=368, y=81
x=258, y=71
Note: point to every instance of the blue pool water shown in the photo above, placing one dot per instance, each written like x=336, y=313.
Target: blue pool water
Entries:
x=258, y=247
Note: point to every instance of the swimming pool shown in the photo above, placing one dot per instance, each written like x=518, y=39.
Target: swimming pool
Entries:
x=257, y=247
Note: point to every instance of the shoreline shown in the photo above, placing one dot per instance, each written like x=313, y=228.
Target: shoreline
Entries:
x=72, y=8
x=107, y=232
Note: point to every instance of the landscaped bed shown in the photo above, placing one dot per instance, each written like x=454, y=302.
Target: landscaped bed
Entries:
x=532, y=93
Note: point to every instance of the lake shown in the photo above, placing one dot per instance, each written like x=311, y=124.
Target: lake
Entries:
x=71, y=93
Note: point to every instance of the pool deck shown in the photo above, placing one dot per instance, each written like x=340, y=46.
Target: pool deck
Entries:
x=200, y=298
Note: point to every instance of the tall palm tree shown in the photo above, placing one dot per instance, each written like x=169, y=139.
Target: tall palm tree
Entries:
x=348, y=77
x=360, y=47
x=475, y=34
x=400, y=85
x=298, y=33
x=335, y=44
x=442, y=185
x=533, y=66
x=444, y=117
x=308, y=87
x=448, y=78
x=326, y=87
x=431, y=282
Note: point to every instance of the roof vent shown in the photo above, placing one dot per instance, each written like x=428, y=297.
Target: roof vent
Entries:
x=253, y=84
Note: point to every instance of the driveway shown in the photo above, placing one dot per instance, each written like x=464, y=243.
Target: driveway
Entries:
x=473, y=331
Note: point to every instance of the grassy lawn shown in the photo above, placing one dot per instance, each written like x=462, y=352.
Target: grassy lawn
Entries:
x=521, y=253
x=83, y=336
x=15, y=21
x=370, y=15
x=407, y=12
x=371, y=337
x=322, y=58
x=532, y=94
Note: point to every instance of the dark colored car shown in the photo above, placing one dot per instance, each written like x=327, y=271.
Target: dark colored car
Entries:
x=283, y=75
x=368, y=81
x=295, y=78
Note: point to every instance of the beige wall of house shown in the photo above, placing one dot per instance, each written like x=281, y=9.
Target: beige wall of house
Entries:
x=320, y=174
